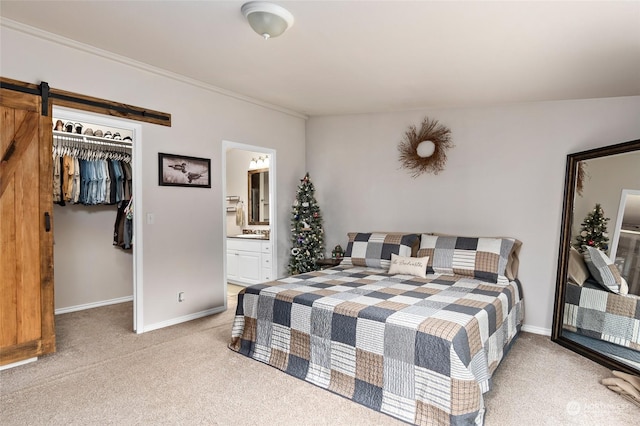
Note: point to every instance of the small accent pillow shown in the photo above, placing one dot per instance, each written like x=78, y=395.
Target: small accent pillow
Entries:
x=374, y=249
x=577, y=271
x=416, y=266
x=482, y=258
x=602, y=269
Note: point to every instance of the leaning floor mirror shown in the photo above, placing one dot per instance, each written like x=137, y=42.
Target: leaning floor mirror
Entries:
x=597, y=304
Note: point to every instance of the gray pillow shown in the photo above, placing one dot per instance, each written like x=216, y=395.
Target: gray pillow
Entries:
x=602, y=269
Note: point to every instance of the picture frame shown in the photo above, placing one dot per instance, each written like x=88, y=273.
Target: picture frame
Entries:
x=182, y=170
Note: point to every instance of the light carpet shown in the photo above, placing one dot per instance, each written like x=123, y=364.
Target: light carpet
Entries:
x=103, y=373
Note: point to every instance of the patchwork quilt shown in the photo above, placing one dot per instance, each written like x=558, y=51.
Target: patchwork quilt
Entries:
x=420, y=349
x=594, y=312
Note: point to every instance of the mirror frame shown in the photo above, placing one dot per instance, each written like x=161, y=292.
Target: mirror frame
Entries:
x=250, y=173
x=563, y=253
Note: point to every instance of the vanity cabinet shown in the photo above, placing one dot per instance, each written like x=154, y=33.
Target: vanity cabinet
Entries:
x=248, y=260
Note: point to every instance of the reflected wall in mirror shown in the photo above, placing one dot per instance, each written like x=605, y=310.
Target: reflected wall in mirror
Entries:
x=258, y=196
x=625, y=248
x=590, y=318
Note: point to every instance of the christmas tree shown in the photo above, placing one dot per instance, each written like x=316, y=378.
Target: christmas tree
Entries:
x=594, y=231
x=307, y=235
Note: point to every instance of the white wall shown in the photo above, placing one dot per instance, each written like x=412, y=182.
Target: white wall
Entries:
x=238, y=184
x=183, y=248
x=88, y=268
x=504, y=177
x=237, y=166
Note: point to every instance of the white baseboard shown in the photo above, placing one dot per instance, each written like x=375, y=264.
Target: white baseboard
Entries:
x=18, y=363
x=536, y=330
x=182, y=319
x=93, y=305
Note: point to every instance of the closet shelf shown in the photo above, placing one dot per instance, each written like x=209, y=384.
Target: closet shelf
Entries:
x=76, y=137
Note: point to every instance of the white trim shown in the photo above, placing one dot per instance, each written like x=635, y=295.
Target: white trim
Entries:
x=536, y=330
x=138, y=226
x=618, y=225
x=17, y=364
x=186, y=318
x=94, y=305
x=36, y=32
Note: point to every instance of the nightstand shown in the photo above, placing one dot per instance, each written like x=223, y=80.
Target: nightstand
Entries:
x=328, y=263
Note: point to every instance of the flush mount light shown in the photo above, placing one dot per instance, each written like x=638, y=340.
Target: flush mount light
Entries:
x=267, y=19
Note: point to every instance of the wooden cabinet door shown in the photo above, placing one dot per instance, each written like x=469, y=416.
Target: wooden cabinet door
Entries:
x=26, y=234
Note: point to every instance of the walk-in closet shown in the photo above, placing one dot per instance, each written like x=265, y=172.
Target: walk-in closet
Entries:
x=93, y=210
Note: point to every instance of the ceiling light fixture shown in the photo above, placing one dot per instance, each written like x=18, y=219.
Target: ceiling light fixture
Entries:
x=267, y=19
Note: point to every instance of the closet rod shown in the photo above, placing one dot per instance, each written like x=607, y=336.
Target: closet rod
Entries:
x=70, y=137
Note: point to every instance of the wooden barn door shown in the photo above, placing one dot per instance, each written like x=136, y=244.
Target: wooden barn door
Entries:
x=26, y=234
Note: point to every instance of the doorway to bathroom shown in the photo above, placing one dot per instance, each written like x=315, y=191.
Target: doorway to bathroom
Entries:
x=249, y=213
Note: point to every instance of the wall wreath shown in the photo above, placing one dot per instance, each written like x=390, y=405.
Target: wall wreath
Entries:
x=425, y=150
x=582, y=174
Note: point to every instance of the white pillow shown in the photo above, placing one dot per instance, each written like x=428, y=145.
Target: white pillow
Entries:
x=602, y=269
x=416, y=266
x=624, y=287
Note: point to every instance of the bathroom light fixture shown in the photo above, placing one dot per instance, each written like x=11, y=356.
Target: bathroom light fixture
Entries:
x=253, y=164
x=267, y=19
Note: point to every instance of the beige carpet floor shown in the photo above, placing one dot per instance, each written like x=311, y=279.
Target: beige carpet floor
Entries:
x=185, y=375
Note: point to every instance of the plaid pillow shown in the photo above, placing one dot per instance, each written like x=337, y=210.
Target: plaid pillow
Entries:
x=374, y=249
x=482, y=258
x=602, y=269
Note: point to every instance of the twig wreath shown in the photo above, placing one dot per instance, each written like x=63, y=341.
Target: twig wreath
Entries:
x=582, y=174
x=425, y=151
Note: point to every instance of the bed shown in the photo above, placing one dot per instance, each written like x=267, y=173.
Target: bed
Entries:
x=419, y=346
x=597, y=313
x=597, y=303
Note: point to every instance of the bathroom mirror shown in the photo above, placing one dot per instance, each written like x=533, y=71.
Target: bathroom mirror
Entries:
x=258, y=196
x=599, y=324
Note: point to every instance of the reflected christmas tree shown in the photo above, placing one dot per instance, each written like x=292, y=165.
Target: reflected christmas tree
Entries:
x=594, y=231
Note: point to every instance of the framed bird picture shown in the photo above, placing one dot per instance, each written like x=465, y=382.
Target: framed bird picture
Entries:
x=180, y=170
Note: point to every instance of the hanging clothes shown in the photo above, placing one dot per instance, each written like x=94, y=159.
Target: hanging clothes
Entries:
x=123, y=227
x=92, y=172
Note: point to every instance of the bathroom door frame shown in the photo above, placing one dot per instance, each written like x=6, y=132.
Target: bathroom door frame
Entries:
x=273, y=201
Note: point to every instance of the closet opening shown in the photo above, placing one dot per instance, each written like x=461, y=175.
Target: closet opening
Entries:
x=96, y=220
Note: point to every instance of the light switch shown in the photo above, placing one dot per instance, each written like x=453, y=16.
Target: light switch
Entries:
x=150, y=218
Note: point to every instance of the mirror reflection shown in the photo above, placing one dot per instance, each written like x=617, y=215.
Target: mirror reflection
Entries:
x=598, y=290
x=258, y=196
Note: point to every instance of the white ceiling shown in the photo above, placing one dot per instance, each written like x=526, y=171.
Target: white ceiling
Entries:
x=364, y=56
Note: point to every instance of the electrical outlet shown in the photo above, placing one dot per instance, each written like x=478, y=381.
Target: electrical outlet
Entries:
x=181, y=296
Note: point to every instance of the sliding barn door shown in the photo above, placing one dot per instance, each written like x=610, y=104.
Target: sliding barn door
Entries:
x=26, y=236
